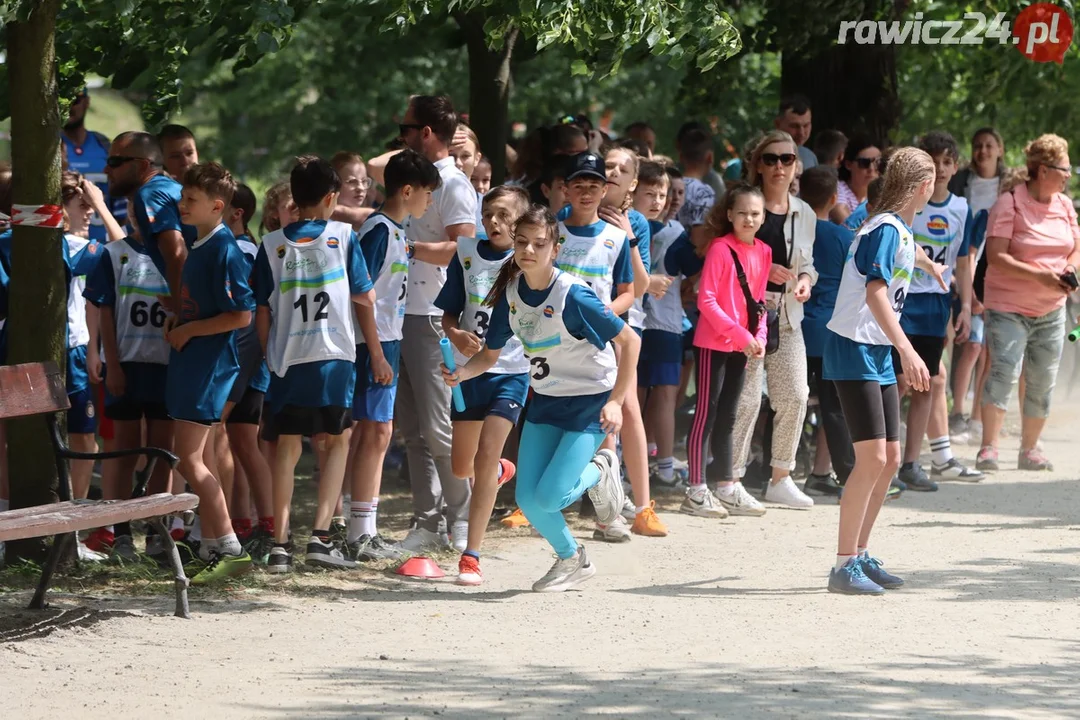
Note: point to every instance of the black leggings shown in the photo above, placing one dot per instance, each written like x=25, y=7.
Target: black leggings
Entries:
x=832, y=419
x=719, y=385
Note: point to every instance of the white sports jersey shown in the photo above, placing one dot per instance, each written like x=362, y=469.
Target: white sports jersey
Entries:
x=392, y=284
x=140, y=319
x=562, y=365
x=311, y=303
x=592, y=258
x=939, y=230
x=78, y=332
x=852, y=317
x=479, y=275
x=667, y=312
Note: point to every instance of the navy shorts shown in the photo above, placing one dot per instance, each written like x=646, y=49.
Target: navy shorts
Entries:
x=82, y=417
x=660, y=362
x=371, y=400
x=496, y=394
x=144, y=394
x=307, y=422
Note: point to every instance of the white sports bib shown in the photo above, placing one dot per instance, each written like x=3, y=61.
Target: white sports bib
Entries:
x=940, y=233
x=591, y=258
x=479, y=275
x=140, y=318
x=392, y=285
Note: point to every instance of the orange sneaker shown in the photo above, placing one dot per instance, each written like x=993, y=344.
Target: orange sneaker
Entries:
x=469, y=571
x=507, y=470
x=516, y=520
x=647, y=523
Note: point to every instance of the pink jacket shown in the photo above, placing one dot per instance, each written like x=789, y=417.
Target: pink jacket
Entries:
x=722, y=325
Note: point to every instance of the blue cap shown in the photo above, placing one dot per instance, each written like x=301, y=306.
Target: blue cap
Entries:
x=586, y=164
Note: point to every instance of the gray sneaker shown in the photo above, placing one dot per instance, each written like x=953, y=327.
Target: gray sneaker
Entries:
x=915, y=478
x=566, y=574
x=123, y=550
x=607, y=494
x=368, y=549
x=617, y=532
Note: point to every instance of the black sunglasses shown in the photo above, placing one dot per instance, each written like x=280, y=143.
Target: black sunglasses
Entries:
x=115, y=161
x=785, y=159
x=405, y=127
x=1065, y=170
x=865, y=163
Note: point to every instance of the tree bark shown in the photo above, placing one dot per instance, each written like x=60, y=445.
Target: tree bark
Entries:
x=490, y=80
x=37, y=327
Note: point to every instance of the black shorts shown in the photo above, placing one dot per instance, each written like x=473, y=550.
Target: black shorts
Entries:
x=871, y=411
x=928, y=347
x=307, y=421
x=129, y=409
x=248, y=409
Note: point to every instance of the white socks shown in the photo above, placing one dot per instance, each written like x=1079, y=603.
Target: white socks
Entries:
x=229, y=545
x=666, y=468
x=842, y=560
x=941, y=450
x=362, y=517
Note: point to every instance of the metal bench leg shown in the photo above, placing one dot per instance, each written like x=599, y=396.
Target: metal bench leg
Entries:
x=178, y=568
x=60, y=545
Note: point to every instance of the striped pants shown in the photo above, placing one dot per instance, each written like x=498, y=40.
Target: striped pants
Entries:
x=719, y=384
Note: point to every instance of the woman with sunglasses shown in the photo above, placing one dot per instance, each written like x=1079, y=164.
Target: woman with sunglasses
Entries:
x=788, y=230
x=857, y=171
x=1033, y=249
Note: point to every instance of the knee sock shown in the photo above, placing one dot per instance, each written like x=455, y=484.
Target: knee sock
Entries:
x=941, y=450
x=361, y=520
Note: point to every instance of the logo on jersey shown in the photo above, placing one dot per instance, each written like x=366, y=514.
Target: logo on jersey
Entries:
x=529, y=325
x=467, y=263
x=513, y=308
x=228, y=288
x=609, y=244
x=333, y=243
x=307, y=260
x=549, y=311
x=562, y=238
x=937, y=225
x=281, y=251
x=124, y=259
x=92, y=248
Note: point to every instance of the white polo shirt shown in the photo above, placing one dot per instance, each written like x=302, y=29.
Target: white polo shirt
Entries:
x=454, y=203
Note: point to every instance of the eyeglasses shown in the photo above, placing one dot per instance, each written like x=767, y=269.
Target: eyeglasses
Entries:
x=115, y=161
x=1066, y=170
x=364, y=183
x=406, y=127
x=865, y=163
x=771, y=159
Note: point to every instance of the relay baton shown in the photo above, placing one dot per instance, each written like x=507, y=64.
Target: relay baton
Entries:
x=1075, y=334
x=448, y=361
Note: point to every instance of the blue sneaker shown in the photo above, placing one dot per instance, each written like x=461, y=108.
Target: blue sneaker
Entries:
x=851, y=580
x=873, y=569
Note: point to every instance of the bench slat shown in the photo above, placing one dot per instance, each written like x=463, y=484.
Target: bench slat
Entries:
x=31, y=389
x=71, y=516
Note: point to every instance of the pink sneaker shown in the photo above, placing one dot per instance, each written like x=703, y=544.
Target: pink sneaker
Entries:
x=1033, y=460
x=987, y=459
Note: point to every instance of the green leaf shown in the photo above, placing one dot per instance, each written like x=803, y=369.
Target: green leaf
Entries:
x=579, y=67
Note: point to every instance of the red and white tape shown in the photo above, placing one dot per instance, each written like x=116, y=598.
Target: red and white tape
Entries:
x=44, y=216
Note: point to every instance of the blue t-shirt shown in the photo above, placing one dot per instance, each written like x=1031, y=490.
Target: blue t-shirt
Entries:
x=643, y=233
x=326, y=383
x=857, y=217
x=156, y=209
x=451, y=298
x=831, y=245
x=586, y=318
x=215, y=281
x=682, y=259
x=89, y=159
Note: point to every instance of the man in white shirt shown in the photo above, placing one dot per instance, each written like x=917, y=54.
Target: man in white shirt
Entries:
x=423, y=400
x=795, y=118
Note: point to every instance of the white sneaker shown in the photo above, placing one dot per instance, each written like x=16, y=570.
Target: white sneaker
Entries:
x=607, y=494
x=459, y=535
x=617, y=532
x=629, y=510
x=740, y=502
x=420, y=540
x=787, y=493
x=566, y=574
x=85, y=554
x=975, y=432
x=700, y=502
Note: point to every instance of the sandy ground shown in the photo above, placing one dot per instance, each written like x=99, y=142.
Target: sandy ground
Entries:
x=721, y=619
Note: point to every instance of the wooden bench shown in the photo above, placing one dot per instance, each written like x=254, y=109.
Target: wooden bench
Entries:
x=38, y=389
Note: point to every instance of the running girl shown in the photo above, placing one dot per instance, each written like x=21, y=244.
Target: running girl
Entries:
x=865, y=326
x=493, y=401
x=731, y=328
x=565, y=330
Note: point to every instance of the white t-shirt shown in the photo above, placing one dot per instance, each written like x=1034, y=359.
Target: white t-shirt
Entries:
x=983, y=193
x=454, y=203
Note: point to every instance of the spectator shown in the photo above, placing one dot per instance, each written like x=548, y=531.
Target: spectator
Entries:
x=352, y=206
x=642, y=132
x=711, y=177
x=178, y=150
x=795, y=118
x=858, y=170
x=829, y=148
x=86, y=152
x=695, y=160
x=1032, y=249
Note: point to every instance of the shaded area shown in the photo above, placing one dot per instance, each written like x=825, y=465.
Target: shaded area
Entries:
x=33, y=624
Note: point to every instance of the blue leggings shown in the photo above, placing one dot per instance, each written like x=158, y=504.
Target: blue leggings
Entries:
x=555, y=468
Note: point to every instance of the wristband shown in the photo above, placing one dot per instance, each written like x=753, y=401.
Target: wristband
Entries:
x=633, y=242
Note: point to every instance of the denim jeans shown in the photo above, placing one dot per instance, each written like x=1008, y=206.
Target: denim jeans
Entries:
x=1033, y=343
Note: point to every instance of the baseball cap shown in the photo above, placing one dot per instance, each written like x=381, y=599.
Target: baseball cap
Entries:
x=586, y=164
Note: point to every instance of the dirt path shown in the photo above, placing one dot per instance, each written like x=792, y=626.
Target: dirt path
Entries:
x=722, y=619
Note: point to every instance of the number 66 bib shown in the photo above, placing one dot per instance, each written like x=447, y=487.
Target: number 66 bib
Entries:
x=311, y=303
x=140, y=319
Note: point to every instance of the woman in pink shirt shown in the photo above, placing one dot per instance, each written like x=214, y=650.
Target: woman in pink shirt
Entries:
x=1032, y=251
x=732, y=328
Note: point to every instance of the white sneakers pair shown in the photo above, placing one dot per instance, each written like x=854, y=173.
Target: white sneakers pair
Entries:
x=735, y=500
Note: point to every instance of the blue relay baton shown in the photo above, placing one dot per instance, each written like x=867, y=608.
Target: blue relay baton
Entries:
x=448, y=361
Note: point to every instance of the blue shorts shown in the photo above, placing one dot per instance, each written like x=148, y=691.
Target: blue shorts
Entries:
x=372, y=401
x=660, y=362
x=82, y=417
x=496, y=394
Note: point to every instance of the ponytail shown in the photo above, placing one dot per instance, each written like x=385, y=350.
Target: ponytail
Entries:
x=908, y=168
x=536, y=215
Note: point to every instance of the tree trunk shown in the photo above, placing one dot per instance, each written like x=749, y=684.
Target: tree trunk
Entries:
x=489, y=90
x=851, y=87
x=37, y=330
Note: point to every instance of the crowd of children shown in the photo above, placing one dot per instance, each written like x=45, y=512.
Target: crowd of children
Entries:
x=579, y=302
